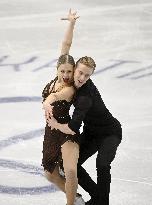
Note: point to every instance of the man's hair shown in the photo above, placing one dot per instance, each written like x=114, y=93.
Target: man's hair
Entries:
x=88, y=61
x=65, y=59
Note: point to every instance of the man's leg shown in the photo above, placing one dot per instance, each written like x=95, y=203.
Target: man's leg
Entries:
x=87, y=149
x=106, y=154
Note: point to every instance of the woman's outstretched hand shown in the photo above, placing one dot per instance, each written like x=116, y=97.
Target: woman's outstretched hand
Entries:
x=71, y=16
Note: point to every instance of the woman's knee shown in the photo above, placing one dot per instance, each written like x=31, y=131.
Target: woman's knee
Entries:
x=70, y=172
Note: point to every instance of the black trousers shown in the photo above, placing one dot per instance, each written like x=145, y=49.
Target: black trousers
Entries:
x=106, y=151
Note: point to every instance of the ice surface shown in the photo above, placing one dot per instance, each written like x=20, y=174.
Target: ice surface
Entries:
x=117, y=34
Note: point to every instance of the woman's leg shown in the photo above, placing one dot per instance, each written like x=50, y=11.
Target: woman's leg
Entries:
x=70, y=155
x=55, y=178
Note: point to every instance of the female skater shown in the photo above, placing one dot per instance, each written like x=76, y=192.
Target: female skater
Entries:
x=58, y=147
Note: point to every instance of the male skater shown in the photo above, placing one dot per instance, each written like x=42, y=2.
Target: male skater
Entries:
x=102, y=132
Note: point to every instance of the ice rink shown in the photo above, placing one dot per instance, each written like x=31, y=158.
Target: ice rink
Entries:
x=118, y=35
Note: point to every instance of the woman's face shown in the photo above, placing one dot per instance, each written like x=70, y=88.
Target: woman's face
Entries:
x=65, y=73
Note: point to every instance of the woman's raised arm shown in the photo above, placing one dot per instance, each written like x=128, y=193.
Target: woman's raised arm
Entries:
x=67, y=41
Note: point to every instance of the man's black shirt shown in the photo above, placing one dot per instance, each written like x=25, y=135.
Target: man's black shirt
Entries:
x=91, y=110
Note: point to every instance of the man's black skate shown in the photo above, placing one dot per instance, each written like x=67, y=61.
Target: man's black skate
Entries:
x=91, y=202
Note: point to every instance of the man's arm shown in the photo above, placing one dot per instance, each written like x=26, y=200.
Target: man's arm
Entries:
x=52, y=122
x=82, y=105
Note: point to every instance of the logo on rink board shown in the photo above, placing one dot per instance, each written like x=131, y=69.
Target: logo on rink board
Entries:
x=138, y=70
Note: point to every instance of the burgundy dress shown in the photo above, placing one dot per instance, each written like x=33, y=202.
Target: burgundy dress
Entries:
x=54, y=139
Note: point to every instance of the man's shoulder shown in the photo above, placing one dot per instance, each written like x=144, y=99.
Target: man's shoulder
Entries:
x=87, y=87
x=89, y=83
x=90, y=89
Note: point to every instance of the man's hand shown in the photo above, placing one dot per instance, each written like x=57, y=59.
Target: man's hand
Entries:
x=52, y=122
x=48, y=110
x=72, y=17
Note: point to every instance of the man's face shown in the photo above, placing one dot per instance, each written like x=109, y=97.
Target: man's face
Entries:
x=82, y=74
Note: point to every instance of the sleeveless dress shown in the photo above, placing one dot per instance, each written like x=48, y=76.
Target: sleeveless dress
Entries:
x=54, y=139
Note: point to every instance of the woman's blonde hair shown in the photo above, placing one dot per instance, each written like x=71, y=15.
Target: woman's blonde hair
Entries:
x=66, y=58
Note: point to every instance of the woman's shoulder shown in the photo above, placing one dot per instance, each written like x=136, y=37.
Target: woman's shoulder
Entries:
x=69, y=89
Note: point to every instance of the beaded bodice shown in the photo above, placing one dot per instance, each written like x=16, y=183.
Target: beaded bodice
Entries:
x=61, y=111
x=60, y=108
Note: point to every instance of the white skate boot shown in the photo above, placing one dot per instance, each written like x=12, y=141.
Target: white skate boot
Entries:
x=79, y=200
